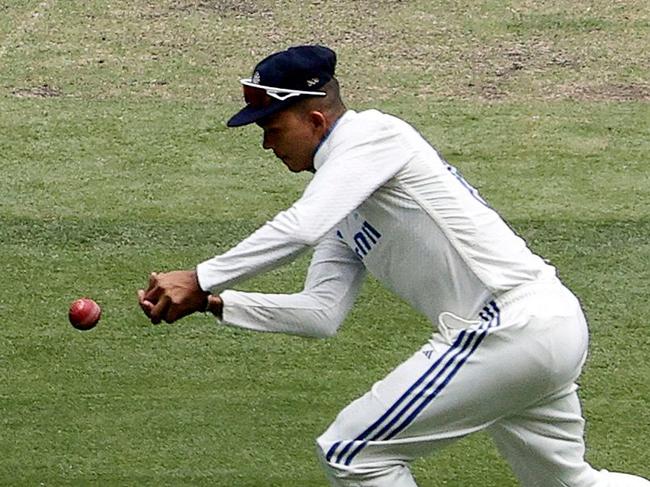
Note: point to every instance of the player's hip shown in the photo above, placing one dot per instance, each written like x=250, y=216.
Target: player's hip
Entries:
x=539, y=326
x=526, y=304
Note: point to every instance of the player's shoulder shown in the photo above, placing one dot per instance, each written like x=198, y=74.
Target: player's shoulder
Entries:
x=369, y=131
x=377, y=118
x=372, y=122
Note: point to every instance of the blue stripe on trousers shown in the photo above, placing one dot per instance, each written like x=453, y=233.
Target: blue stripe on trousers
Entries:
x=372, y=427
x=474, y=338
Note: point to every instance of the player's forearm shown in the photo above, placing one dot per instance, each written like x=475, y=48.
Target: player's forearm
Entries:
x=265, y=249
x=333, y=282
x=303, y=314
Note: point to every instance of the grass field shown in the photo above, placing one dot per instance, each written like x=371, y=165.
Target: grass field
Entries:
x=115, y=161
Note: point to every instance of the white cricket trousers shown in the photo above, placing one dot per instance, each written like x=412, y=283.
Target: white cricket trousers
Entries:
x=510, y=371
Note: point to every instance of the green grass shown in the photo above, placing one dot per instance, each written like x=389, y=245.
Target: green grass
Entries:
x=116, y=161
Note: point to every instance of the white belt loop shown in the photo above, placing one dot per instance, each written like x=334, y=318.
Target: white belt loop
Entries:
x=450, y=324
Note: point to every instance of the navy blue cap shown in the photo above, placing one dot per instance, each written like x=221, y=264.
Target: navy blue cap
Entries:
x=283, y=78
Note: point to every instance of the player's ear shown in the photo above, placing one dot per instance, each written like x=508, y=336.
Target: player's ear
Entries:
x=318, y=120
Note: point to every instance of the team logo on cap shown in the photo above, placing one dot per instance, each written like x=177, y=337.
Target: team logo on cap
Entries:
x=312, y=82
x=256, y=78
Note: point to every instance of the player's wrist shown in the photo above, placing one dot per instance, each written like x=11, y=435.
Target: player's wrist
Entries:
x=214, y=305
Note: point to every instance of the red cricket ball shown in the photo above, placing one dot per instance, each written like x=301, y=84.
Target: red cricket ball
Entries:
x=84, y=314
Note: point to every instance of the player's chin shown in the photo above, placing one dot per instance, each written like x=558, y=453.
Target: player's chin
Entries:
x=296, y=166
x=287, y=162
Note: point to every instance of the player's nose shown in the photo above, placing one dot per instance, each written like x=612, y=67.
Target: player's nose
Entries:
x=266, y=142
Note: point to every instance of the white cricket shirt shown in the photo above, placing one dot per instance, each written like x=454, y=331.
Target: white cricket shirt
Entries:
x=382, y=200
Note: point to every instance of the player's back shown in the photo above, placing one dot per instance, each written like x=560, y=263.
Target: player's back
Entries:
x=429, y=236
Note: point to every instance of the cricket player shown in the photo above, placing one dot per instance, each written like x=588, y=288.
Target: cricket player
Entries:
x=508, y=341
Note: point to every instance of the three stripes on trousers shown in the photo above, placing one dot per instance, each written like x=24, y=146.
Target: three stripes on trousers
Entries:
x=420, y=394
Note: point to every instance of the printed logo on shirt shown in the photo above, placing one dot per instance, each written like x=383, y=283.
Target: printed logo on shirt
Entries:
x=365, y=239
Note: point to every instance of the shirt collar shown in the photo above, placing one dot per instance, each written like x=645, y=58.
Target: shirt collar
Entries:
x=324, y=147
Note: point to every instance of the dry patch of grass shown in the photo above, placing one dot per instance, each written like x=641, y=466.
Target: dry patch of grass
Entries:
x=183, y=49
x=610, y=92
x=43, y=91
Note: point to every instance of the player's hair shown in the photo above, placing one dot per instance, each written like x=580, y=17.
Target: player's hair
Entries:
x=331, y=104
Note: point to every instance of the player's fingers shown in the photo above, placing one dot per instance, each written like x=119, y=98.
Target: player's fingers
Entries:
x=146, y=306
x=153, y=288
x=159, y=310
x=176, y=312
x=153, y=279
x=171, y=315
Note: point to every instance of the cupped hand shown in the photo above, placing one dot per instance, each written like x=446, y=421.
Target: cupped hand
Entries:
x=171, y=296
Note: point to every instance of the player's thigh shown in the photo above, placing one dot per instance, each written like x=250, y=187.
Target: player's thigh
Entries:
x=443, y=392
x=544, y=444
x=459, y=383
x=366, y=431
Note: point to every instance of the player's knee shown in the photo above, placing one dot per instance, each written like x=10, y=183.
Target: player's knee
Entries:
x=337, y=451
x=331, y=472
x=322, y=447
x=377, y=473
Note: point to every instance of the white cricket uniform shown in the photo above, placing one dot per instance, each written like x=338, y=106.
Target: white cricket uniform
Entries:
x=509, y=339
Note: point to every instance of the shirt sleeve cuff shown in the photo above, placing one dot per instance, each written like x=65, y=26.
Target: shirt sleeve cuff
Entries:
x=202, y=277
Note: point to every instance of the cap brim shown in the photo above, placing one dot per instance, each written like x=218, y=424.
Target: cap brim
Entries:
x=248, y=114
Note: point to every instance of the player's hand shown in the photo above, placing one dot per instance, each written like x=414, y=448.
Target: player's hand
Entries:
x=171, y=296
